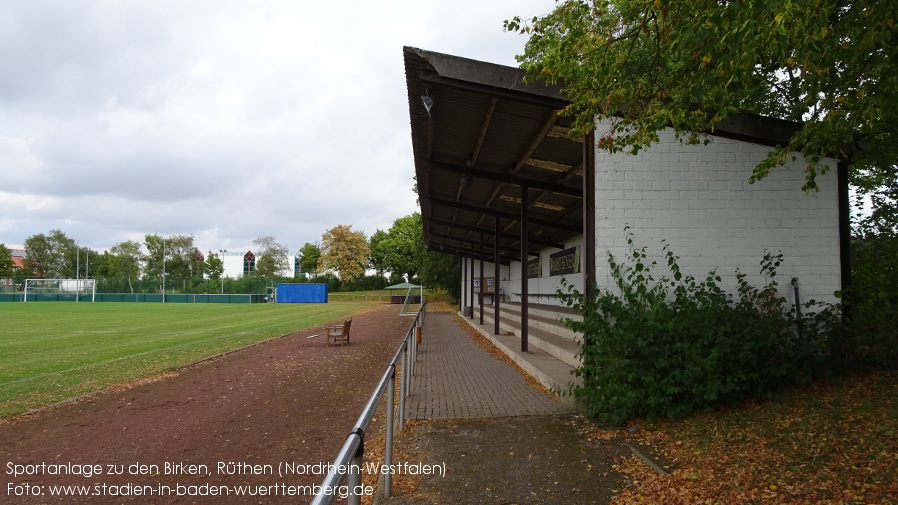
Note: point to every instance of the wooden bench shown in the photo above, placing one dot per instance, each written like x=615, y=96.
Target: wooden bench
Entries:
x=338, y=333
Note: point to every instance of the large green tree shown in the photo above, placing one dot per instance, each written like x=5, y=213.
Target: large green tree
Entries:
x=378, y=251
x=214, y=266
x=442, y=271
x=124, y=260
x=344, y=251
x=272, y=258
x=309, y=256
x=403, y=246
x=52, y=255
x=176, y=254
x=6, y=263
x=645, y=65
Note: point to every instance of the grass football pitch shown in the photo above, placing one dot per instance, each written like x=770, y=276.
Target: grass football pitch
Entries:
x=51, y=351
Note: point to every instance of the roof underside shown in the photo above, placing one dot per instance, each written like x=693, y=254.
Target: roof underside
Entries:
x=480, y=134
x=485, y=135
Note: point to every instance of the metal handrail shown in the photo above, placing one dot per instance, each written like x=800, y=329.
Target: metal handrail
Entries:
x=348, y=463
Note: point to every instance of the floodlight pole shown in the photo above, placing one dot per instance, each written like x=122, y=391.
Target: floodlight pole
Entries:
x=163, y=270
x=221, y=259
x=77, y=271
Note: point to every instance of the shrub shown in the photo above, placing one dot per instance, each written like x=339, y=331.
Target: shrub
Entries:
x=670, y=345
x=871, y=336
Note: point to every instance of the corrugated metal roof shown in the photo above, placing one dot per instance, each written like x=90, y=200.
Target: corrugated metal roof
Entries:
x=480, y=122
x=486, y=134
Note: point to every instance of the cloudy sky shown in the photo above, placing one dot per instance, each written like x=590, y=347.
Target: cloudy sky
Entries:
x=223, y=119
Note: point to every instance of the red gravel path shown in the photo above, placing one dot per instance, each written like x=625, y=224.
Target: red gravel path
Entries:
x=292, y=399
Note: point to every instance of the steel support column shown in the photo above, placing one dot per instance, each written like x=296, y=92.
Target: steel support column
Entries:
x=498, y=266
x=525, y=259
x=472, y=282
x=464, y=283
x=589, y=214
x=482, y=287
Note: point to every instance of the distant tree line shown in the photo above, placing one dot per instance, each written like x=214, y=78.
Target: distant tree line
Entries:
x=341, y=259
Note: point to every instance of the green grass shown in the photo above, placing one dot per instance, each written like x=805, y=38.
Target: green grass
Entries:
x=51, y=351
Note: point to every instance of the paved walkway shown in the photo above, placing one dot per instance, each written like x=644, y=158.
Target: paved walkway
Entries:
x=454, y=378
x=499, y=440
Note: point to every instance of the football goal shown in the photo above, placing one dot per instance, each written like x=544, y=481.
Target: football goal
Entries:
x=60, y=290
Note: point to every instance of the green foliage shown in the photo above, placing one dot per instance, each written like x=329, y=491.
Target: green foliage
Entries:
x=6, y=263
x=402, y=249
x=872, y=299
x=53, y=255
x=272, y=258
x=379, y=250
x=361, y=283
x=309, y=256
x=646, y=65
x=176, y=254
x=666, y=346
x=872, y=302
x=214, y=266
x=124, y=260
x=441, y=271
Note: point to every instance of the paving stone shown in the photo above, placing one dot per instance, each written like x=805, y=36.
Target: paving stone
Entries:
x=454, y=378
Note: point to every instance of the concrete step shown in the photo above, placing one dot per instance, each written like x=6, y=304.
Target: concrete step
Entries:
x=542, y=317
x=546, y=330
x=561, y=348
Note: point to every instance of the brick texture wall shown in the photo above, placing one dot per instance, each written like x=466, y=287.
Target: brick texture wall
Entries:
x=698, y=199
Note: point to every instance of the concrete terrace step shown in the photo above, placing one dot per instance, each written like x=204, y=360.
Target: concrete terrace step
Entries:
x=546, y=329
x=561, y=348
x=544, y=317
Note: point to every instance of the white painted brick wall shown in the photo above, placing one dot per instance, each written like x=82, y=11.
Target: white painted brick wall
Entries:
x=545, y=285
x=489, y=270
x=697, y=198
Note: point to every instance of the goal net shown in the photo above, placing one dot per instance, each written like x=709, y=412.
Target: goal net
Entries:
x=60, y=290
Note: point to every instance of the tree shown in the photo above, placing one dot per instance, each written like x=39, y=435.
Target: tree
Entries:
x=87, y=261
x=125, y=260
x=176, y=254
x=403, y=247
x=6, y=263
x=214, y=266
x=645, y=65
x=442, y=271
x=344, y=251
x=272, y=258
x=378, y=251
x=309, y=256
x=53, y=255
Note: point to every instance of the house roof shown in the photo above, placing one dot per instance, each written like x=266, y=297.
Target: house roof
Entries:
x=18, y=258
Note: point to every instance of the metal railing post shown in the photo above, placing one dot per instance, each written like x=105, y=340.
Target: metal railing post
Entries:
x=414, y=339
x=388, y=442
x=411, y=357
x=403, y=385
x=354, y=477
x=352, y=453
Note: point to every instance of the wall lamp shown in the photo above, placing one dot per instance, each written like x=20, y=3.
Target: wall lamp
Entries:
x=428, y=102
